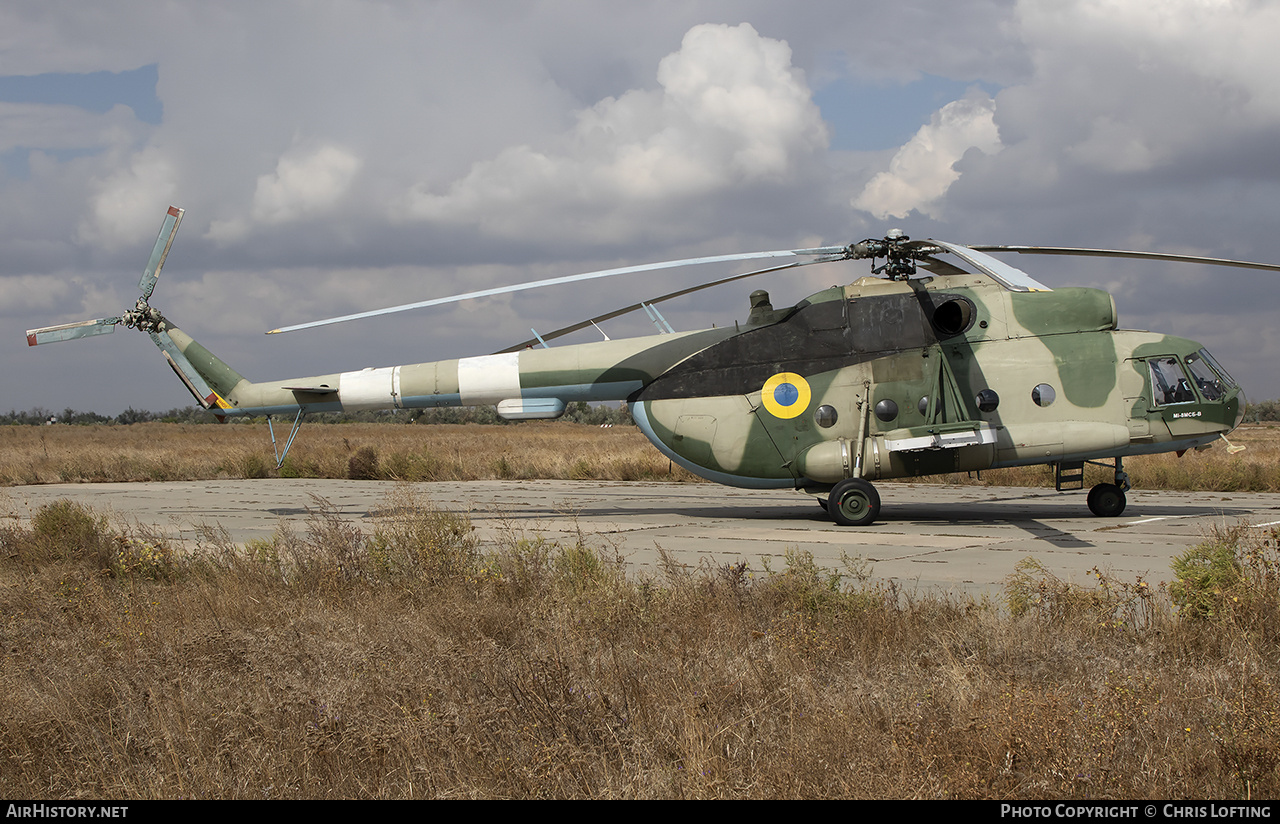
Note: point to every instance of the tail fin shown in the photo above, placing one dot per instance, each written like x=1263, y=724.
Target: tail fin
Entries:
x=209, y=379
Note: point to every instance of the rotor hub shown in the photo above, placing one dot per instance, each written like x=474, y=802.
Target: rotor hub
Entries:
x=144, y=316
x=896, y=248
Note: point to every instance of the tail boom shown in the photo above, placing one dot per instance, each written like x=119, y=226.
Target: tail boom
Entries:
x=531, y=383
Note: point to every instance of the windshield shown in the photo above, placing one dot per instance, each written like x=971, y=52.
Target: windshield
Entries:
x=1206, y=379
x=1228, y=381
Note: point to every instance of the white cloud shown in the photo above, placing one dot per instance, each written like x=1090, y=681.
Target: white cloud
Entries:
x=1114, y=146
x=742, y=99
x=1130, y=88
x=923, y=170
x=24, y=125
x=21, y=294
x=1225, y=45
x=307, y=182
x=731, y=110
x=123, y=209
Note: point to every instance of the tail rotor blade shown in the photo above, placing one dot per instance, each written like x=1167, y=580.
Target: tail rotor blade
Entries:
x=165, y=239
x=71, y=331
x=184, y=369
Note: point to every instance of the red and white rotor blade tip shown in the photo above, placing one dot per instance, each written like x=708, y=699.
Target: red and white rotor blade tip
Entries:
x=71, y=331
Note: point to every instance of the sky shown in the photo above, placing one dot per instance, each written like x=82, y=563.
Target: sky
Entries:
x=334, y=157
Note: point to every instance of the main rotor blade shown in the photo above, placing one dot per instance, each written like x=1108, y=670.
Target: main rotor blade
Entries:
x=1121, y=253
x=1015, y=280
x=668, y=296
x=173, y=218
x=71, y=331
x=831, y=252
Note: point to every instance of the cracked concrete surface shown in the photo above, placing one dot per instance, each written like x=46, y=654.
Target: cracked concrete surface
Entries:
x=929, y=537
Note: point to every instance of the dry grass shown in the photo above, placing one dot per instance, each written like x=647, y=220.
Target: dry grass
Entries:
x=409, y=661
x=171, y=452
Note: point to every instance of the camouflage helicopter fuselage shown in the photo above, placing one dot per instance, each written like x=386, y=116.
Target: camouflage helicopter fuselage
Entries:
x=885, y=378
x=876, y=380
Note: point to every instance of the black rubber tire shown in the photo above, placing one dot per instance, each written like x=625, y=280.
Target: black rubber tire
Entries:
x=854, y=502
x=1107, y=500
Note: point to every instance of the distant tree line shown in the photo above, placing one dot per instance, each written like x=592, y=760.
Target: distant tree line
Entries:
x=1262, y=411
x=40, y=416
x=578, y=412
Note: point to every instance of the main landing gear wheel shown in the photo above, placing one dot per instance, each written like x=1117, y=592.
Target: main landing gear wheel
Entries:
x=854, y=502
x=1106, y=500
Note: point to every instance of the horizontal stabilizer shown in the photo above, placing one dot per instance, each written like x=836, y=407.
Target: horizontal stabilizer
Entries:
x=315, y=390
x=71, y=331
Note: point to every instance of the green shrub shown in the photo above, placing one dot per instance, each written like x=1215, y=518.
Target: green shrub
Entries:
x=68, y=531
x=1207, y=577
x=145, y=556
x=253, y=466
x=412, y=539
x=363, y=466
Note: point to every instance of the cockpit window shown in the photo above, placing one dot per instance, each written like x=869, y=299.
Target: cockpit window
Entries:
x=1169, y=383
x=1212, y=382
x=1227, y=380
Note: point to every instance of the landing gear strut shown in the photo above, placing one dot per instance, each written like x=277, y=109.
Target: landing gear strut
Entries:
x=1108, y=500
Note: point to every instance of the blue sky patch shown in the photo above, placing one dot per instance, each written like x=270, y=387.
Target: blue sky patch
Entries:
x=876, y=116
x=95, y=91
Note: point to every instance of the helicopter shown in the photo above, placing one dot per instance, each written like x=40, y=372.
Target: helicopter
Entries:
x=964, y=366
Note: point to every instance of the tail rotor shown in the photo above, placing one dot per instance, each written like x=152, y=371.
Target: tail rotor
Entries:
x=142, y=316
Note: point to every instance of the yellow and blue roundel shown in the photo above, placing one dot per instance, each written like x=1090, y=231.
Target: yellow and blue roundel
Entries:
x=786, y=395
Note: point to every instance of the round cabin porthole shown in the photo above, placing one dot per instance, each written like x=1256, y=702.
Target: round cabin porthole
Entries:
x=987, y=400
x=886, y=410
x=1043, y=395
x=825, y=416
